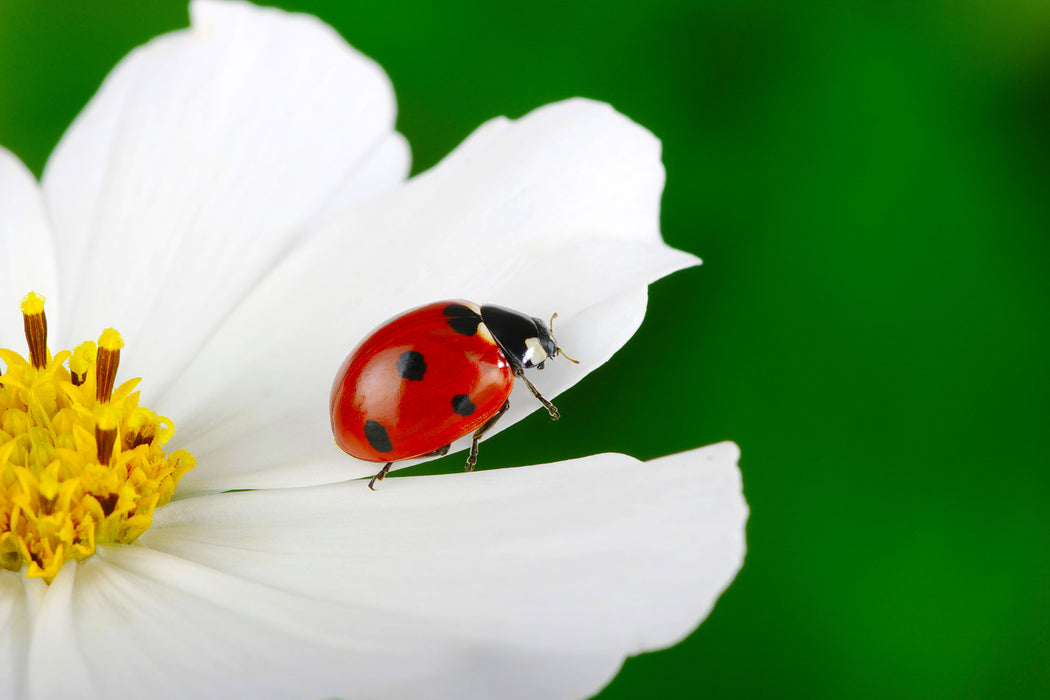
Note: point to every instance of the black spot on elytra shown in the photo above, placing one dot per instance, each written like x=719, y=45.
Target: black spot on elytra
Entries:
x=462, y=405
x=377, y=437
x=411, y=365
x=462, y=319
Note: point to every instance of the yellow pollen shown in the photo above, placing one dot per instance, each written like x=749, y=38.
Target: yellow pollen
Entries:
x=32, y=304
x=79, y=466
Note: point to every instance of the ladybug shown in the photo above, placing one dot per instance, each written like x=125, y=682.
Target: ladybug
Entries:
x=432, y=375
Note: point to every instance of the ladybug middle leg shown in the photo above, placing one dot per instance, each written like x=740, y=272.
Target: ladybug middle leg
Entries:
x=472, y=459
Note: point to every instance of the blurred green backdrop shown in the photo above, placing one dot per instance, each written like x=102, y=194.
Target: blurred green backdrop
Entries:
x=868, y=184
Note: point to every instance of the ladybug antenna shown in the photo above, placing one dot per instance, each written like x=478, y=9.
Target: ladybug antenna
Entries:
x=562, y=353
x=559, y=351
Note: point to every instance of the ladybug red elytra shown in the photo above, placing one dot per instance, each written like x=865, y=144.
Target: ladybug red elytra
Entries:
x=432, y=375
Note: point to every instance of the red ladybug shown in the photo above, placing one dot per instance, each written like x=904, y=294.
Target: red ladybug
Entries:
x=432, y=375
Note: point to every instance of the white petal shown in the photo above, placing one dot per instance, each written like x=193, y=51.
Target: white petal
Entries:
x=56, y=665
x=136, y=623
x=27, y=258
x=14, y=634
x=577, y=564
x=205, y=155
x=558, y=211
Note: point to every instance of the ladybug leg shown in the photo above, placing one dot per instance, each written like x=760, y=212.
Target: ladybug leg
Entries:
x=440, y=452
x=379, y=476
x=386, y=467
x=536, y=392
x=472, y=459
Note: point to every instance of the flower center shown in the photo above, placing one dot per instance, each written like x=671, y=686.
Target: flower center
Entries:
x=81, y=463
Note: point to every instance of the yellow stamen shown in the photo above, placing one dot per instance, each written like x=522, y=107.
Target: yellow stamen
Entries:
x=81, y=361
x=36, y=328
x=81, y=464
x=106, y=420
x=106, y=362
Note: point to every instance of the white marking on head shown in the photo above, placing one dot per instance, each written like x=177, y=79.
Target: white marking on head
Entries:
x=534, y=352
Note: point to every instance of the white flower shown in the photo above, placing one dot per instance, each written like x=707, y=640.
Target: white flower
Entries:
x=233, y=200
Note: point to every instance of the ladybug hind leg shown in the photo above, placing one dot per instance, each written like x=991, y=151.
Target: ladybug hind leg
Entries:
x=441, y=452
x=539, y=397
x=379, y=476
x=472, y=459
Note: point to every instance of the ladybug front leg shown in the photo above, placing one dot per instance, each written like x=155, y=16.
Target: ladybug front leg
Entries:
x=472, y=459
x=379, y=476
x=536, y=392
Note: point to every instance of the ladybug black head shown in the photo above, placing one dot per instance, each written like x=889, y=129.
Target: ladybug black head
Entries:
x=525, y=340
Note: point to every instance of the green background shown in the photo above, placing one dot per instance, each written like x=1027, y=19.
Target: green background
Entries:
x=867, y=183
